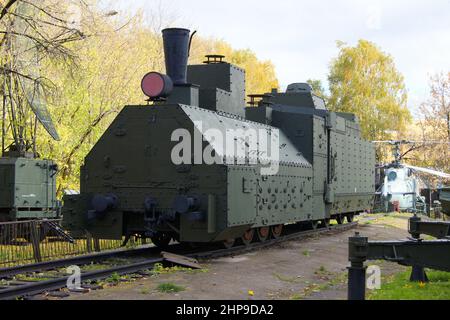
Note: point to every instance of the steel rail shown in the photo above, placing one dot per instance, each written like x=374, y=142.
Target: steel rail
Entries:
x=78, y=260
x=260, y=245
x=55, y=284
x=58, y=283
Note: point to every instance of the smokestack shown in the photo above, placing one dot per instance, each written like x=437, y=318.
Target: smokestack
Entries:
x=176, y=51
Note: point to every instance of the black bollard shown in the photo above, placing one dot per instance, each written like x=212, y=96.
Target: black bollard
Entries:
x=418, y=274
x=357, y=255
x=356, y=282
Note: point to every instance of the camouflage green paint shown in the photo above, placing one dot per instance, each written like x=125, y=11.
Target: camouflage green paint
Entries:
x=28, y=188
x=325, y=168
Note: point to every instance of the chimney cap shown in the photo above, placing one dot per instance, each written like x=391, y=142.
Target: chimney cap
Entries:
x=176, y=29
x=214, y=58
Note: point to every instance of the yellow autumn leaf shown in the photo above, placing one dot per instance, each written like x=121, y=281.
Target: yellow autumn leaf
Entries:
x=364, y=80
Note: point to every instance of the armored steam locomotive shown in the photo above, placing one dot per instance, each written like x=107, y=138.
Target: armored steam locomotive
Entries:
x=130, y=183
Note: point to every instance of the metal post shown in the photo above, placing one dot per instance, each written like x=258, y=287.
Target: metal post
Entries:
x=430, y=195
x=88, y=242
x=97, y=245
x=35, y=241
x=418, y=273
x=4, y=112
x=356, y=282
x=357, y=255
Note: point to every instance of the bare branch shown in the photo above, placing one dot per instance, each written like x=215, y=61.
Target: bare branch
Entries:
x=7, y=70
x=6, y=8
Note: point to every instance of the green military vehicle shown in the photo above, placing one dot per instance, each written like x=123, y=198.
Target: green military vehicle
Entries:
x=28, y=189
x=132, y=181
x=27, y=192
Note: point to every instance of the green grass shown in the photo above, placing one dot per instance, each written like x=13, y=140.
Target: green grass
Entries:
x=322, y=271
x=398, y=287
x=330, y=280
x=158, y=269
x=114, y=278
x=94, y=267
x=145, y=291
x=21, y=252
x=32, y=278
x=169, y=287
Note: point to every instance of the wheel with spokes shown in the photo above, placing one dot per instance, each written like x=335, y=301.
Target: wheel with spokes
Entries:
x=276, y=231
x=263, y=233
x=229, y=243
x=247, y=238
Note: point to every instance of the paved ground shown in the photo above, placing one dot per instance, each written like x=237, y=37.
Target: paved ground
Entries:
x=308, y=269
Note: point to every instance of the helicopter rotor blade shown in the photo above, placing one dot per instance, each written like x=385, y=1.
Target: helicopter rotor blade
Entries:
x=394, y=142
x=430, y=171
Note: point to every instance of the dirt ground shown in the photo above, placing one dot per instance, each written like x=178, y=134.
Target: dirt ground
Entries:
x=312, y=268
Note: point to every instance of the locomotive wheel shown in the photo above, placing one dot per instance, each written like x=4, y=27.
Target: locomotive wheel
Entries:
x=314, y=224
x=247, y=238
x=350, y=218
x=229, y=243
x=340, y=219
x=276, y=231
x=161, y=240
x=263, y=233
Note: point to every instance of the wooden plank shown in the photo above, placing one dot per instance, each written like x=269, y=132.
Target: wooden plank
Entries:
x=181, y=260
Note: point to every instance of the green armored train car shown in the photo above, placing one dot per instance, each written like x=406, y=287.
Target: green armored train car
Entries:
x=27, y=192
x=27, y=189
x=144, y=176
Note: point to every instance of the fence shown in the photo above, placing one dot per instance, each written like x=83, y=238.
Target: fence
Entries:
x=26, y=242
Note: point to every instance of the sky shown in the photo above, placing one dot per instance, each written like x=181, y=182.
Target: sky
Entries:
x=299, y=36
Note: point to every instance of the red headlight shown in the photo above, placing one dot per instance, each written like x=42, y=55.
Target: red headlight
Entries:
x=155, y=84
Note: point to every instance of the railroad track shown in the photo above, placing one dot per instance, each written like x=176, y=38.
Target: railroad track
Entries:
x=122, y=262
x=240, y=249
